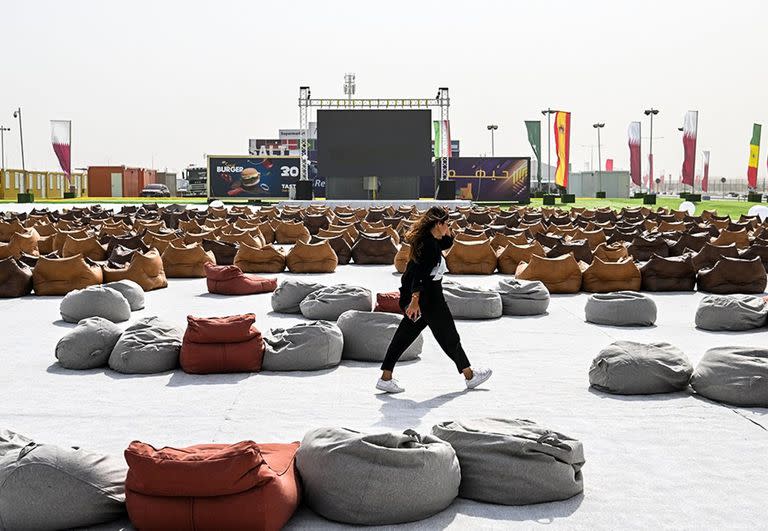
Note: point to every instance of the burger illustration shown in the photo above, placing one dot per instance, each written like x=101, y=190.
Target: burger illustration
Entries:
x=249, y=178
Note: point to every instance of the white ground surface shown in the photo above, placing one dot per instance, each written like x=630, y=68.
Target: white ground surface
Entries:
x=669, y=461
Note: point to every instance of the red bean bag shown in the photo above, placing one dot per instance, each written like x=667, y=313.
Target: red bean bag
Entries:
x=388, y=302
x=230, y=280
x=221, y=344
x=212, y=486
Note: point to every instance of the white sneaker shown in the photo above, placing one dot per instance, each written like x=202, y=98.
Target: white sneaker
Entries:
x=478, y=377
x=389, y=386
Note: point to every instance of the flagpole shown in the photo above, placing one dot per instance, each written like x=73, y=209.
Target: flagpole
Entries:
x=549, y=112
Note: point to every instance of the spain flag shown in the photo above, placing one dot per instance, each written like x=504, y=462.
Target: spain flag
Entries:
x=563, y=147
x=754, y=156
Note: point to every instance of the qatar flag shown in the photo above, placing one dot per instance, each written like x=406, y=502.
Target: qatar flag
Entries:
x=61, y=138
x=690, y=128
x=634, y=153
x=705, y=178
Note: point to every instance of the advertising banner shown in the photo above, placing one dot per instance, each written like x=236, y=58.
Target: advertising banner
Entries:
x=491, y=178
x=246, y=176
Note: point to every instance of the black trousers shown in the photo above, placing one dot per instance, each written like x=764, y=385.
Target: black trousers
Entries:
x=436, y=315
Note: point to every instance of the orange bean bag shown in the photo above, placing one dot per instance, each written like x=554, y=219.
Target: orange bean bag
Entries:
x=388, y=302
x=89, y=247
x=611, y=252
x=145, y=269
x=511, y=256
x=9, y=228
x=215, y=345
x=471, y=258
x=604, y=277
x=265, y=259
x=287, y=233
x=59, y=276
x=373, y=249
x=230, y=280
x=21, y=242
x=212, y=486
x=60, y=237
x=726, y=237
x=559, y=275
x=186, y=261
x=312, y=258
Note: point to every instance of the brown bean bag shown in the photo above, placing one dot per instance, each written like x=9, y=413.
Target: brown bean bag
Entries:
x=579, y=248
x=315, y=222
x=198, y=237
x=339, y=245
x=230, y=280
x=15, y=278
x=559, y=275
x=733, y=275
x=604, y=277
x=265, y=259
x=471, y=258
x=388, y=302
x=756, y=250
x=611, y=252
x=253, y=238
x=329, y=233
x=186, y=261
x=21, y=243
x=120, y=257
x=511, y=256
x=224, y=252
x=145, y=269
x=467, y=237
x=668, y=226
x=694, y=242
x=129, y=241
x=708, y=256
x=59, y=276
x=268, y=231
x=144, y=224
x=500, y=241
x=311, y=258
x=726, y=237
x=161, y=241
x=370, y=249
x=89, y=247
x=214, y=345
x=351, y=231
x=674, y=273
x=288, y=233
x=9, y=228
x=594, y=237
x=61, y=237
x=642, y=249
x=402, y=257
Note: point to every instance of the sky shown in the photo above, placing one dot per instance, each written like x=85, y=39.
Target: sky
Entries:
x=165, y=82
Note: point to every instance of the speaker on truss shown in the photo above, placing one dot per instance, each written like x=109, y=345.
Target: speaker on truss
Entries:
x=446, y=190
x=304, y=191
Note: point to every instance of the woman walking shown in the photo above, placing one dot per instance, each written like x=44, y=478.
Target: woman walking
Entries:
x=421, y=298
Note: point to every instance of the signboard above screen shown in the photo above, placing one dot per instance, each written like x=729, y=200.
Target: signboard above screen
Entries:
x=385, y=144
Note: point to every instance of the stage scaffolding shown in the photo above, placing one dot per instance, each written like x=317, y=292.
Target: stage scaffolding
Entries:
x=442, y=101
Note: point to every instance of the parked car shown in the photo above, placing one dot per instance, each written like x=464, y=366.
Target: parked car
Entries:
x=155, y=190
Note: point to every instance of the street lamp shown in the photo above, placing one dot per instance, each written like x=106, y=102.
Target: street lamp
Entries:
x=492, y=128
x=548, y=112
x=651, y=112
x=17, y=114
x=599, y=126
x=2, y=145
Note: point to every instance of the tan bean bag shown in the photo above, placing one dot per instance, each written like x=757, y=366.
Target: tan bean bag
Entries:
x=511, y=256
x=611, y=252
x=162, y=241
x=61, y=237
x=559, y=275
x=59, y=276
x=21, y=242
x=265, y=259
x=726, y=237
x=500, y=240
x=402, y=257
x=268, y=231
x=733, y=275
x=339, y=245
x=604, y=277
x=9, y=228
x=471, y=258
x=145, y=269
x=244, y=236
x=287, y=233
x=198, y=237
x=311, y=258
x=328, y=233
x=466, y=237
x=89, y=247
x=186, y=261
x=708, y=256
x=667, y=226
x=372, y=249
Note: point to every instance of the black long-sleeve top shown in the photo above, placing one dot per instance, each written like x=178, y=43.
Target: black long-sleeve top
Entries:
x=418, y=273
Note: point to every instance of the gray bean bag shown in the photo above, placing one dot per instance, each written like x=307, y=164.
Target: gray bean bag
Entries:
x=94, y=301
x=731, y=312
x=148, y=346
x=733, y=375
x=523, y=297
x=289, y=294
x=304, y=347
x=88, y=345
x=49, y=487
x=514, y=461
x=329, y=303
x=367, y=336
x=472, y=303
x=132, y=292
x=629, y=368
x=381, y=479
x=620, y=308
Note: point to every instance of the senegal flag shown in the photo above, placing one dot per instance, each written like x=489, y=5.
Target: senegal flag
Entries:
x=563, y=147
x=754, y=156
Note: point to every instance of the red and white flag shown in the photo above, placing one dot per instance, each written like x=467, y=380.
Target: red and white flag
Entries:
x=61, y=138
x=705, y=178
x=690, y=128
x=635, y=169
x=608, y=164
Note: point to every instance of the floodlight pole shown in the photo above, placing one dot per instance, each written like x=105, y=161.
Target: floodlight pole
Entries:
x=2, y=145
x=599, y=126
